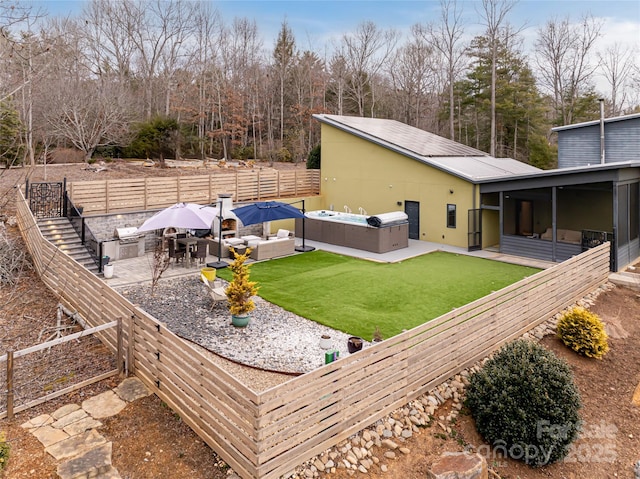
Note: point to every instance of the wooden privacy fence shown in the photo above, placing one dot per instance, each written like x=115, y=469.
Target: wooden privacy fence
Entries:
x=59, y=374
x=267, y=434
x=109, y=196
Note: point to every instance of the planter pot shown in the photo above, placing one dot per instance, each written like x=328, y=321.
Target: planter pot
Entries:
x=326, y=343
x=209, y=273
x=354, y=344
x=240, y=321
x=107, y=271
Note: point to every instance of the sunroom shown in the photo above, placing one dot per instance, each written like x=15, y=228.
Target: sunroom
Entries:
x=557, y=214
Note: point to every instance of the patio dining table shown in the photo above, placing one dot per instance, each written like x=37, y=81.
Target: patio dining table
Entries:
x=189, y=244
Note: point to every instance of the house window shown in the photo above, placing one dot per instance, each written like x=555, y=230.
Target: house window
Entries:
x=451, y=216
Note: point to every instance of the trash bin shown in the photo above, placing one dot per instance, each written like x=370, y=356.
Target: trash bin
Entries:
x=108, y=271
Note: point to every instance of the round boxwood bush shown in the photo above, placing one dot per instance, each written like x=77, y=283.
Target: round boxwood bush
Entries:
x=582, y=331
x=525, y=404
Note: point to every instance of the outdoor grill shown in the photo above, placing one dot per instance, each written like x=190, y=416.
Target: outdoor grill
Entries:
x=127, y=235
x=126, y=243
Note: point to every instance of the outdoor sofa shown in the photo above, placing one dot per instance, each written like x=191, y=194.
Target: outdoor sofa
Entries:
x=281, y=244
x=564, y=235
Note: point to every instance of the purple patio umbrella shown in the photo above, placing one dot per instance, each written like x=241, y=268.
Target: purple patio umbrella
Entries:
x=182, y=215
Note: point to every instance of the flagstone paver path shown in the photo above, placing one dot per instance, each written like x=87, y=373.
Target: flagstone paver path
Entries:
x=69, y=434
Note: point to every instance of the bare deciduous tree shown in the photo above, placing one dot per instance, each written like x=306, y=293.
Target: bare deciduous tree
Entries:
x=616, y=63
x=563, y=58
x=413, y=75
x=446, y=38
x=89, y=114
x=365, y=52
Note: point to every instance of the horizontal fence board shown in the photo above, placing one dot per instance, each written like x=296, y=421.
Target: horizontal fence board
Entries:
x=239, y=465
x=227, y=432
x=238, y=396
x=111, y=196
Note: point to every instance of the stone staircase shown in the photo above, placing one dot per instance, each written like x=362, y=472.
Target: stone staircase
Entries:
x=60, y=232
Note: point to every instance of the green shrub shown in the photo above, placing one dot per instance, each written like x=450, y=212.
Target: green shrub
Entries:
x=4, y=451
x=582, y=331
x=313, y=160
x=284, y=155
x=524, y=402
x=243, y=152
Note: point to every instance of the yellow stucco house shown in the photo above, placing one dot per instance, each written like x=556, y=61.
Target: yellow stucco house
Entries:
x=379, y=166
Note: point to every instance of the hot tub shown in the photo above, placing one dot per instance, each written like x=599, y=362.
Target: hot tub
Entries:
x=353, y=231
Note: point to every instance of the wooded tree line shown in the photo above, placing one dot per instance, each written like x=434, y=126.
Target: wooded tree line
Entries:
x=172, y=77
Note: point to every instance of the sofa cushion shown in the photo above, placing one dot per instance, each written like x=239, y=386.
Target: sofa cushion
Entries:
x=234, y=241
x=570, y=236
x=282, y=233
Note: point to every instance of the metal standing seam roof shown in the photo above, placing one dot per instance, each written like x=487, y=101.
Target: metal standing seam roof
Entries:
x=447, y=155
x=596, y=122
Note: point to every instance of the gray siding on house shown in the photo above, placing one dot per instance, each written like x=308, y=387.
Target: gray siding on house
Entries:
x=628, y=253
x=527, y=247
x=537, y=248
x=622, y=141
x=581, y=146
x=565, y=251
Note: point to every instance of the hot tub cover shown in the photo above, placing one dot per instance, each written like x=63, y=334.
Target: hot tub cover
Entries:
x=388, y=219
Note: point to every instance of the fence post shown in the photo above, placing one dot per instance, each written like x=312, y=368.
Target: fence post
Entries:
x=9, y=384
x=130, y=350
x=119, y=352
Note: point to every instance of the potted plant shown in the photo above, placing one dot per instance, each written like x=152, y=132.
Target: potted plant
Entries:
x=377, y=335
x=240, y=290
x=325, y=341
x=354, y=344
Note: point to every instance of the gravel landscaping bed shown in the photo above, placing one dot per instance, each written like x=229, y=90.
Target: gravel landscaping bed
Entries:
x=274, y=340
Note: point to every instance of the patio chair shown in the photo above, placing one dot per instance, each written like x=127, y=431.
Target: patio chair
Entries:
x=177, y=254
x=217, y=293
x=200, y=252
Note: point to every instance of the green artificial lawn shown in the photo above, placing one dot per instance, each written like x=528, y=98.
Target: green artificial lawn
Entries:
x=356, y=296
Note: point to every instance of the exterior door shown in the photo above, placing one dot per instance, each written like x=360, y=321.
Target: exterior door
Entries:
x=475, y=230
x=412, y=209
x=524, y=218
